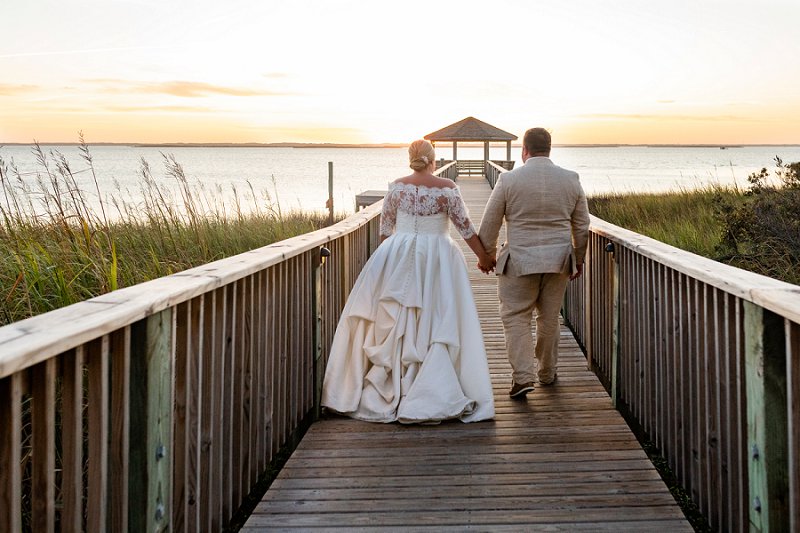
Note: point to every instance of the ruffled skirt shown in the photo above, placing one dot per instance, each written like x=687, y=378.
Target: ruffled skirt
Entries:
x=409, y=346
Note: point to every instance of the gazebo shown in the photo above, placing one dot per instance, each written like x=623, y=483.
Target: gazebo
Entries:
x=472, y=130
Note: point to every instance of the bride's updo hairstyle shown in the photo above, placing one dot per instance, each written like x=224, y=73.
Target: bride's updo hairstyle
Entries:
x=420, y=154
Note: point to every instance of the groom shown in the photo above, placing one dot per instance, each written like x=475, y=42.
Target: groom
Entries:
x=547, y=225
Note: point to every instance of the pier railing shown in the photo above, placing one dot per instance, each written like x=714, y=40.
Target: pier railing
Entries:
x=706, y=358
x=158, y=407
x=493, y=171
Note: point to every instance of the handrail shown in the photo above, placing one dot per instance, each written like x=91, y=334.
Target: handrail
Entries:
x=704, y=357
x=493, y=172
x=28, y=342
x=449, y=171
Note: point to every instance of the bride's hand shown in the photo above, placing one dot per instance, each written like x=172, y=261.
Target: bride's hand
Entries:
x=486, y=263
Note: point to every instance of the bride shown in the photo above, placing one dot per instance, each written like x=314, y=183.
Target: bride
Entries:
x=409, y=346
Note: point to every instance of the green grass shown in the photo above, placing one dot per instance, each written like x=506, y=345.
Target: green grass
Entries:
x=697, y=221
x=58, y=248
x=684, y=219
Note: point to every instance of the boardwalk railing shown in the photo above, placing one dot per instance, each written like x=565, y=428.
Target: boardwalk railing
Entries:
x=448, y=170
x=493, y=171
x=158, y=407
x=706, y=358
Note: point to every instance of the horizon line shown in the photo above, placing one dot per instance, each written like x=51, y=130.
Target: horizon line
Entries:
x=289, y=144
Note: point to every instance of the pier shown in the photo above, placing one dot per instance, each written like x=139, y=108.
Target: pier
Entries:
x=160, y=406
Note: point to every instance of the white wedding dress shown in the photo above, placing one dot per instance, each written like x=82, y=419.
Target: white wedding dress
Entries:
x=409, y=346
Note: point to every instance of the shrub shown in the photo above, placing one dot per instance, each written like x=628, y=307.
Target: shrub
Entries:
x=761, y=232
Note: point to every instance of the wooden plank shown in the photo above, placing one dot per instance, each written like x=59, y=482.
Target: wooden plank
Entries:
x=765, y=357
x=97, y=357
x=216, y=330
x=119, y=443
x=249, y=473
x=72, y=440
x=259, y=353
x=566, y=515
x=793, y=402
x=229, y=336
x=10, y=453
x=615, y=334
x=208, y=495
x=194, y=414
x=701, y=400
x=743, y=503
x=186, y=419
x=180, y=416
x=238, y=472
x=151, y=420
x=43, y=423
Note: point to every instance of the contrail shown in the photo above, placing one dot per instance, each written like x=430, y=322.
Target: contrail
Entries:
x=84, y=51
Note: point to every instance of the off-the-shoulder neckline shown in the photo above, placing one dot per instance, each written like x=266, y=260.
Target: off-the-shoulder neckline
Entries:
x=405, y=185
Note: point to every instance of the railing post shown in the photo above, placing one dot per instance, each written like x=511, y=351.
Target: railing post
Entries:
x=765, y=378
x=615, y=325
x=587, y=305
x=316, y=342
x=150, y=488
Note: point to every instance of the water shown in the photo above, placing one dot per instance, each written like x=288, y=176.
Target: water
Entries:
x=298, y=177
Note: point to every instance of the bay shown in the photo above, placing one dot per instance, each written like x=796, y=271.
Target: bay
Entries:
x=297, y=178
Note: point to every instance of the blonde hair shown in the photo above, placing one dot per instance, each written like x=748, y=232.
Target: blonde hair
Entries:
x=420, y=154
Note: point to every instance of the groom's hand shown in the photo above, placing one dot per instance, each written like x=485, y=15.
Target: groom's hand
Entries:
x=486, y=264
x=578, y=273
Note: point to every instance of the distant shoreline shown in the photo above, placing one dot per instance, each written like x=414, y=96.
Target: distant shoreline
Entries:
x=378, y=145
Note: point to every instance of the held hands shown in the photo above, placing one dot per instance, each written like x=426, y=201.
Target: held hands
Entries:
x=486, y=263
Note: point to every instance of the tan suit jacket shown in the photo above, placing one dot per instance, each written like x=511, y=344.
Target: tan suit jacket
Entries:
x=547, y=219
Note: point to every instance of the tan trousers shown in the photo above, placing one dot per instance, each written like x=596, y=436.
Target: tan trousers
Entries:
x=519, y=296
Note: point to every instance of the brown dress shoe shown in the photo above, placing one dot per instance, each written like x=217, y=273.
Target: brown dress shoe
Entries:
x=520, y=389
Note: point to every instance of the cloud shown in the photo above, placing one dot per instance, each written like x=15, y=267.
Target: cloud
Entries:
x=11, y=90
x=186, y=89
x=635, y=116
x=666, y=101
x=159, y=109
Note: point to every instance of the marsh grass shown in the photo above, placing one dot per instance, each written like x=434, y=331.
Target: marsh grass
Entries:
x=726, y=224
x=61, y=243
x=684, y=218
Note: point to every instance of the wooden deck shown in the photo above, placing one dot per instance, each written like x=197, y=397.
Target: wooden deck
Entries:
x=564, y=460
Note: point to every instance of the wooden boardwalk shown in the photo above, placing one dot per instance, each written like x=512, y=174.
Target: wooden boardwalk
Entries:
x=564, y=460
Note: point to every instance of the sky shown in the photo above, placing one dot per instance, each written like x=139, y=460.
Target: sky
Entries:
x=370, y=71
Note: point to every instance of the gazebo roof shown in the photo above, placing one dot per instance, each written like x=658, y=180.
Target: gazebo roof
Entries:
x=470, y=130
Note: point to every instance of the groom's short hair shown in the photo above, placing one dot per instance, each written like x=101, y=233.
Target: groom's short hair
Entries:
x=537, y=140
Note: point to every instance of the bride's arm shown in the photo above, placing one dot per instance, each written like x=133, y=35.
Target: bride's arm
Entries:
x=460, y=218
x=388, y=215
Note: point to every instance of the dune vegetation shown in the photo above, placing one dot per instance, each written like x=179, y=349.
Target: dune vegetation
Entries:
x=60, y=244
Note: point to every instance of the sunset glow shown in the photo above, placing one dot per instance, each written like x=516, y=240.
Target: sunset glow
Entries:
x=625, y=72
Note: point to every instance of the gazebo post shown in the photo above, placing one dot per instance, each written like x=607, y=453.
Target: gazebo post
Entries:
x=485, y=151
x=508, y=150
x=455, y=151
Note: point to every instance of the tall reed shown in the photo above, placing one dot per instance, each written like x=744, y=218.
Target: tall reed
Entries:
x=61, y=244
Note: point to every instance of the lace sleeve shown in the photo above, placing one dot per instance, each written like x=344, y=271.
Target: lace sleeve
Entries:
x=389, y=213
x=459, y=216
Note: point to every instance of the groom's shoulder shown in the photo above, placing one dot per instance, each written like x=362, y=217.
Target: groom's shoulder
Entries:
x=566, y=173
